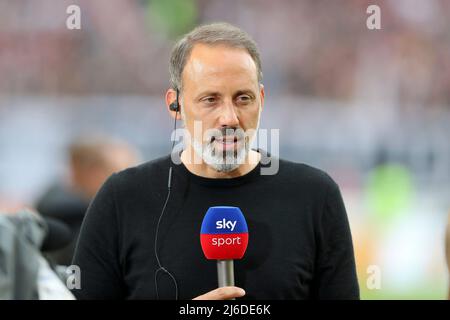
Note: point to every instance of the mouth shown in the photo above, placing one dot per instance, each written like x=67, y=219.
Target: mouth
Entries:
x=225, y=140
x=226, y=143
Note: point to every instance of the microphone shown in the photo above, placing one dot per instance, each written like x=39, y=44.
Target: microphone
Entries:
x=224, y=237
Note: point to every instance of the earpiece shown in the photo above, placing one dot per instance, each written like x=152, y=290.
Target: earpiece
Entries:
x=175, y=106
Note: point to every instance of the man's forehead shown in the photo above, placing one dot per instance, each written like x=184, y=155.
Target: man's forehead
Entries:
x=215, y=59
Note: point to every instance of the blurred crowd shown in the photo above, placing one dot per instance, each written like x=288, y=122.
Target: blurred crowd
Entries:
x=309, y=48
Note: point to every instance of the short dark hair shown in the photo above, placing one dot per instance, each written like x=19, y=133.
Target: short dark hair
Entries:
x=216, y=33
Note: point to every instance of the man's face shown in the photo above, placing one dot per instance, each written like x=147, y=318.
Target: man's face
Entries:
x=221, y=89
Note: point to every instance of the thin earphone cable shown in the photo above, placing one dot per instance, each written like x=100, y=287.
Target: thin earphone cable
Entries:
x=169, y=186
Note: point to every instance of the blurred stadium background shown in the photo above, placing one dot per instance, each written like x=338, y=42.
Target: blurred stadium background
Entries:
x=371, y=107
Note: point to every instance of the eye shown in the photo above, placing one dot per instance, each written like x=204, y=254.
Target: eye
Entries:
x=209, y=100
x=244, y=99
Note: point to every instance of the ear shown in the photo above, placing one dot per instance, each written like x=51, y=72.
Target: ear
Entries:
x=171, y=97
x=261, y=95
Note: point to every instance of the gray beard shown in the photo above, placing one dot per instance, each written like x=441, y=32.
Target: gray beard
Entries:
x=226, y=161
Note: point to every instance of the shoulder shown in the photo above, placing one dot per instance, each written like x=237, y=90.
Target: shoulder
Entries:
x=147, y=174
x=305, y=175
x=150, y=168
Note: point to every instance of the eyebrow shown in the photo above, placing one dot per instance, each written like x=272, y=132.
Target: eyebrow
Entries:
x=207, y=93
x=246, y=91
x=216, y=93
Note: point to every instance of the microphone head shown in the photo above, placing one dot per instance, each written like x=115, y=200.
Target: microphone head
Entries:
x=224, y=233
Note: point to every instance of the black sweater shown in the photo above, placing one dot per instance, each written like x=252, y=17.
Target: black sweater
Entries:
x=300, y=245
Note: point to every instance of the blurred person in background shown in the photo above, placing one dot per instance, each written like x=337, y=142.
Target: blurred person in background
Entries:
x=24, y=273
x=447, y=252
x=91, y=161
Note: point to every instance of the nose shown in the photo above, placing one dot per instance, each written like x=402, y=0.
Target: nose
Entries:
x=228, y=116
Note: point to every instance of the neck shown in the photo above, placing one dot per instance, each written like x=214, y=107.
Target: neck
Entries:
x=200, y=168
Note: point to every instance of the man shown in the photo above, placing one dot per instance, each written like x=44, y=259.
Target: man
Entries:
x=300, y=245
x=92, y=159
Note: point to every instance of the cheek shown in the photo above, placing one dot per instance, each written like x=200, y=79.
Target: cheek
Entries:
x=198, y=113
x=197, y=129
x=249, y=120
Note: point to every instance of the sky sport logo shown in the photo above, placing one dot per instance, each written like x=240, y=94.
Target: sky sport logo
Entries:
x=226, y=224
x=224, y=240
x=224, y=233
